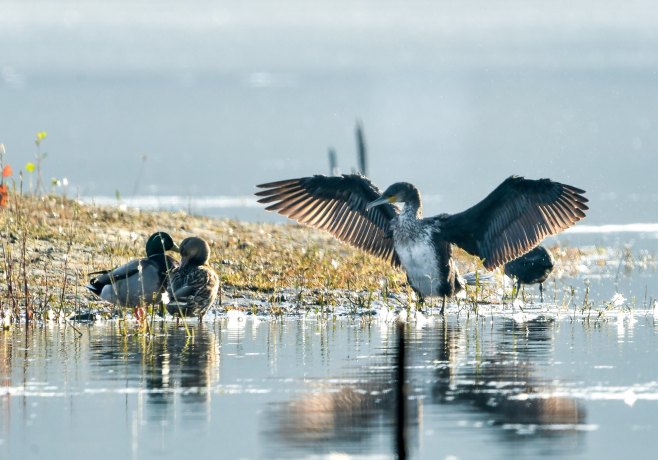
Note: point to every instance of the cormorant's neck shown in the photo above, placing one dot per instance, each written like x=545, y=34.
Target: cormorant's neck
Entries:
x=412, y=207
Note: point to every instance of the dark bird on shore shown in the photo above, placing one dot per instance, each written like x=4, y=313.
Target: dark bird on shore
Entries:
x=531, y=268
x=194, y=285
x=510, y=221
x=140, y=281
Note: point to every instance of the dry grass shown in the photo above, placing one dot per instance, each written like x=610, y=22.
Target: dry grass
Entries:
x=50, y=244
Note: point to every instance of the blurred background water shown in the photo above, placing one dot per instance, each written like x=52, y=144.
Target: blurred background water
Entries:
x=209, y=98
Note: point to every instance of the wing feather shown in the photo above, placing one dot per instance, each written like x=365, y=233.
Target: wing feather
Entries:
x=514, y=218
x=338, y=206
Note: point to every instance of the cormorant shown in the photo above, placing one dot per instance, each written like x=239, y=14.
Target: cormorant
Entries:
x=194, y=285
x=531, y=268
x=510, y=221
x=139, y=281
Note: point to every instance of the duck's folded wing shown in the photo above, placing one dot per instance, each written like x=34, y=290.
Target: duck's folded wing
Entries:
x=338, y=206
x=182, y=293
x=513, y=219
x=122, y=272
x=106, y=277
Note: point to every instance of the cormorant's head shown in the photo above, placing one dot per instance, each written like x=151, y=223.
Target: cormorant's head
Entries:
x=400, y=192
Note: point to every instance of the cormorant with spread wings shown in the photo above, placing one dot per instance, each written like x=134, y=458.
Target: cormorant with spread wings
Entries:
x=509, y=222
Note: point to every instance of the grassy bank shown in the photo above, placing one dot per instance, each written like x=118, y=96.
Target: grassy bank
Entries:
x=50, y=244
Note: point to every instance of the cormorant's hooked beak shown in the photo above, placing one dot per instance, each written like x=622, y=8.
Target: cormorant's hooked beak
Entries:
x=175, y=248
x=382, y=200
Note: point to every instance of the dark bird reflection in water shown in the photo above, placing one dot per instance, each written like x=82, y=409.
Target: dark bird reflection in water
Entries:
x=503, y=385
x=354, y=413
x=173, y=365
x=182, y=363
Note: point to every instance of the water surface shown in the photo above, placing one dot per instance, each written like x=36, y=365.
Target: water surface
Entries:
x=488, y=387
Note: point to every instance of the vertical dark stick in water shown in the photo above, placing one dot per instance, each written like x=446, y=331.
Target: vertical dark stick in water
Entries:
x=401, y=398
x=140, y=173
x=333, y=162
x=361, y=148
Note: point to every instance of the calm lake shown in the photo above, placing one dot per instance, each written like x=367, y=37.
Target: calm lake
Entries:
x=487, y=387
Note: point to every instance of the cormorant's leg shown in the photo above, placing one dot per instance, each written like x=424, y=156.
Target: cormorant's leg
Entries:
x=518, y=288
x=421, y=302
x=541, y=292
x=443, y=306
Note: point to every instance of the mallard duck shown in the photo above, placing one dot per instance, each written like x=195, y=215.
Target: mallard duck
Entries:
x=194, y=285
x=531, y=268
x=139, y=281
x=510, y=221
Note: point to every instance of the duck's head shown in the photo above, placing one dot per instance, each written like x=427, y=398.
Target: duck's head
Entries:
x=194, y=251
x=400, y=192
x=159, y=243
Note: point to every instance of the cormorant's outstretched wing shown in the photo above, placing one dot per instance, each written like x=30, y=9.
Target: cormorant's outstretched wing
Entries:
x=337, y=205
x=514, y=218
